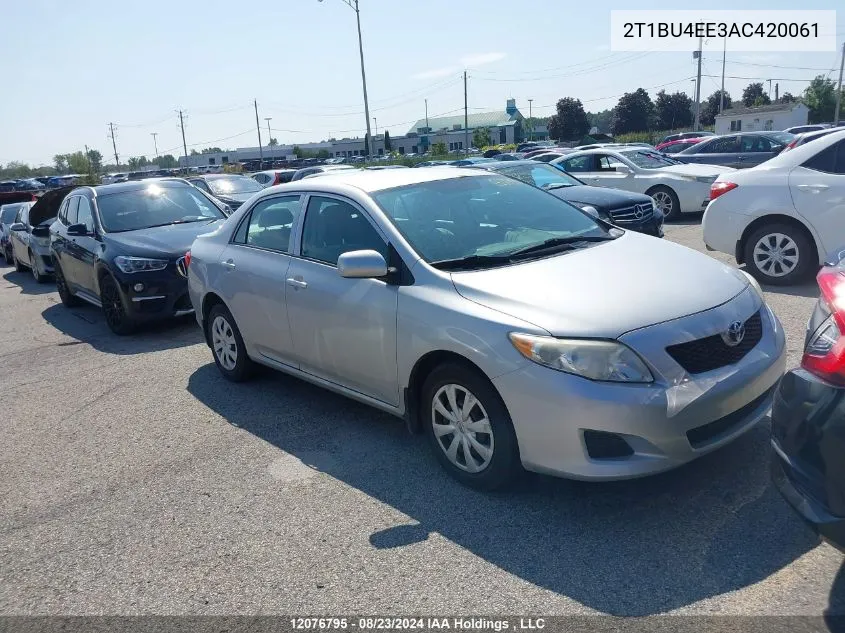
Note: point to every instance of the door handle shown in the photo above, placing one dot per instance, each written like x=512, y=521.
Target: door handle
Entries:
x=812, y=188
x=297, y=283
x=229, y=264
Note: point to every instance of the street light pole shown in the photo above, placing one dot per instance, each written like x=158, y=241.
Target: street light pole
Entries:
x=269, y=136
x=155, y=143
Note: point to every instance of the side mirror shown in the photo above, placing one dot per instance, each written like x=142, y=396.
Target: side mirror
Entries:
x=77, y=230
x=40, y=231
x=18, y=226
x=361, y=265
x=624, y=169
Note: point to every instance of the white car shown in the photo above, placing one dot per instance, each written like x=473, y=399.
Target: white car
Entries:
x=784, y=216
x=675, y=187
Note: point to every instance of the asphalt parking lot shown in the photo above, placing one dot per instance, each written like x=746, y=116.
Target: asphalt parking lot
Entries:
x=135, y=479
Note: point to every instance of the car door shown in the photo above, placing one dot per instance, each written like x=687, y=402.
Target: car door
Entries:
x=254, y=267
x=66, y=244
x=84, y=248
x=722, y=151
x=606, y=174
x=755, y=149
x=20, y=238
x=818, y=192
x=344, y=330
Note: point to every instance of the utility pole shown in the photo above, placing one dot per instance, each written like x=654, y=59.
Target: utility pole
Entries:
x=722, y=91
x=770, y=89
x=184, y=144
x=155, y=143
x=777, y=91
x=426, y=115
x=531, y=119
x=269, y=135
x=839, y=90
x=258, y=127
x=114, y=145
x=375, y=136
x=698, y=89
x=88, y=160
x=466, y=114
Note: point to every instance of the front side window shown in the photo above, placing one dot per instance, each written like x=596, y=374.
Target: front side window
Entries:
x=333, y=227
x=72, y=207
x=578, y=164
x=491, y=215
x=158, y=204
x=271, y=222
x=724, y=145
x=85, y=215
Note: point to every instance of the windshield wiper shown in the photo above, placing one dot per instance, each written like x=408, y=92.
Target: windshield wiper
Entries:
x=554, y=242
x=557, y=185
x=471, y=261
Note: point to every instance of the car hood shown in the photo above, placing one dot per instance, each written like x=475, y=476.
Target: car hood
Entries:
x=47, y=205
x=695, y=169
x=239, y=198
x=607, y=289
x=173, y=240
x=600, y=196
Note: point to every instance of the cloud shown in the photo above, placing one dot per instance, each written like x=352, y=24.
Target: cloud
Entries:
x=479, y=59
x=436, y=73
x=602, y=47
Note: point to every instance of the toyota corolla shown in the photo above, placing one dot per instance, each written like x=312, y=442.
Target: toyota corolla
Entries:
x=494, y=316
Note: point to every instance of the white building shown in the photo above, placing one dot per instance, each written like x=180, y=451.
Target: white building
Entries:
x=777, y=116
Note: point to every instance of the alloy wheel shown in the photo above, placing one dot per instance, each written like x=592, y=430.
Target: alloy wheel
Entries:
x=112, y=306
x=462, y=428
x=224, y=344
x=663, y=201
x=776, y=254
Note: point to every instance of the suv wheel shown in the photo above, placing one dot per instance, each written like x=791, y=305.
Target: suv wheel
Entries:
x=780, y=254
x=469, y=427
x=69, y=300
x=116, y=318
x=227, y=345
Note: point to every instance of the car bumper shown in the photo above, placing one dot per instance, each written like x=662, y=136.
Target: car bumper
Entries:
x=721, y=229
x=162, y=296
x=665, y=424
x=808, y=439
x=693, y=196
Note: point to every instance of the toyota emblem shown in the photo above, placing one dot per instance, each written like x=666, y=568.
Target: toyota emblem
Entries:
x=734, y=334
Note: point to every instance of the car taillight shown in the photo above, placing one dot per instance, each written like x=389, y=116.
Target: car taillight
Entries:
x=824, y=354
x=187, y=259
x=790, y=146
x=719, y=188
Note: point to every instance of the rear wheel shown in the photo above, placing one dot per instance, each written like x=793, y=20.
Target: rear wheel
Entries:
x=667, y=201
x=69, y=300
x=18, y=266
x=33, y=266
x=780, y=254
x=469, y=427
x=227, y=345
x=116, y=318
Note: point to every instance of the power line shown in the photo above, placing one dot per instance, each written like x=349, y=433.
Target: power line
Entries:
x=776, y=66
x=577, y=73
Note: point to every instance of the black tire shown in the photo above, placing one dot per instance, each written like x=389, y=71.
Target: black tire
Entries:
x=69, y=300
x=808, y=258
x=7, y=255
x=675, y=212
x=33, y=267
x=504, y=466
x=113, y=307
x=243, y=366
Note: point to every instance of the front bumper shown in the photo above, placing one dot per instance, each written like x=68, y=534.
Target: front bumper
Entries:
x=808, y=438
x=164, y=295
x=552, y=411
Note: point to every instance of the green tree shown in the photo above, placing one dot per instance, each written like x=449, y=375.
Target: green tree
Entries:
x=16, y=169
x=754, y=95
x=194, y=152
x=77, y=163
x=673, y=110
x=820, y=98
x=96, y=160
x=601, y=120
x=787, y=97
x=439, y=149
x=273, y=142
x=569, y=122
x=324, y=153
x=633, y=113
x=168, y=161
x=387, y=144
x=297, y=151
x=60, y=161
x=211, y=150
x=481, y=137
x=710, y=108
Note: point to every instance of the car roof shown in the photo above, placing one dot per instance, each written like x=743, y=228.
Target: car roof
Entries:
x=132, y=185
x=372, y=180
x=219, y=176
x=512, y=163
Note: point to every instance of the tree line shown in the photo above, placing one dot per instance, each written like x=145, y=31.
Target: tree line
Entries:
x=637, y=112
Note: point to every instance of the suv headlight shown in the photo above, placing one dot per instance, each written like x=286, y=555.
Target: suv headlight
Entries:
x=593, y=359
x=139, y=264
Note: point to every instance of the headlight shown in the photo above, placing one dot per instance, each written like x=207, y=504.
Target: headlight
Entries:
x=593, y=359
x=139, y=264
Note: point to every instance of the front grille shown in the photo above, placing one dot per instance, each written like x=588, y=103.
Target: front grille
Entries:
x=635, y=213
x=182, y=267
x=706, y=434
x=711, y=352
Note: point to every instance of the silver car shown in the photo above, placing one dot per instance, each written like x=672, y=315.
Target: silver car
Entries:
x=510, y=326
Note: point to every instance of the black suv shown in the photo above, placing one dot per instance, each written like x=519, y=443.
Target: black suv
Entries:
x=122, y=247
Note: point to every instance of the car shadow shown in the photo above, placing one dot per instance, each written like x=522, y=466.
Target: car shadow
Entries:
x=86, y=324
x=27, y=284
x=808, y=289
x=686, y=219
x=836, y=601
x=635, y=547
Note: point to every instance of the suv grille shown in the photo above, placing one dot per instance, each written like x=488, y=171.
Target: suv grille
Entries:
x=711, y=352
x=181, y=267
x=636, y=213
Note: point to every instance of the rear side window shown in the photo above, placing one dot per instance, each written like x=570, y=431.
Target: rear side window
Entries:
x=830, y=160
x=724, y=145
x=72, y=209
x=271, y=222
x=579, y=164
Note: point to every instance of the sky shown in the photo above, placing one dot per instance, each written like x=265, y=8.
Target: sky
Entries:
x=80, y=64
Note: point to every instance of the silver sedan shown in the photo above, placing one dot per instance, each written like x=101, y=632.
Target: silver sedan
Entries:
x=511, y=327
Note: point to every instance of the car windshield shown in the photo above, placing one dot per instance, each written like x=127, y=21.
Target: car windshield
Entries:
x=243, y=184
x=540, y=175
x=482, y=216
x=157, y=204
x=784, y=138
x=649, y=160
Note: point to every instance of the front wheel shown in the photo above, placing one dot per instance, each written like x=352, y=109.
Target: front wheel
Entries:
x=780, y=254
x=18, y=266
x=667, y=201
x=69, y=300
x=33, y=266
x=469, y=427
x=116, y=318
x=227, y=345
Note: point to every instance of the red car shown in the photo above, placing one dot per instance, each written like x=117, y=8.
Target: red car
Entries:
x=678, y=144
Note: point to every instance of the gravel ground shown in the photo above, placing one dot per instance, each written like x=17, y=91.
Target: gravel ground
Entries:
x=135, y=480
